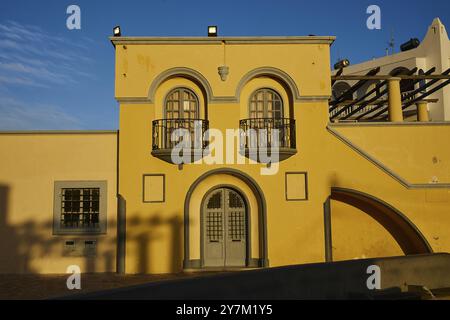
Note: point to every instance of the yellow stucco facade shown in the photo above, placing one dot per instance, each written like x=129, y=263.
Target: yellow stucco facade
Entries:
x=343, y=191
x=31, y=162
x=384, y=161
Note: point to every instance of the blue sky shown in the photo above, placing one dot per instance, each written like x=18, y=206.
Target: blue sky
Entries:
x=55, y=78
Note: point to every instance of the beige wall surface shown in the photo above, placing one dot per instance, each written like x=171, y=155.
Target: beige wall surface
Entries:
x=30, y=163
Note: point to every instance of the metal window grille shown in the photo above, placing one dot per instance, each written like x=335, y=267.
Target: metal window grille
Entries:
x=236, y=225
x=214, y=226
x=80, y=208
x=236, y=217
x=235, y=201
x=215, y=202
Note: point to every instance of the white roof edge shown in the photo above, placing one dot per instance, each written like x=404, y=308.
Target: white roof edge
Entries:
x=393, y=58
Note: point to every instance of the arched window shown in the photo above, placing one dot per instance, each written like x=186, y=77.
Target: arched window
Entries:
x=266, y=103
x=181, y=103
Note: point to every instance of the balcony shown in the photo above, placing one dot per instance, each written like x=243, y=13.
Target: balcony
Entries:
x=260, y=137
x=168, y=134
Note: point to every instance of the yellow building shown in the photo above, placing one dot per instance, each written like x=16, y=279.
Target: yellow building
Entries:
x=288, y=188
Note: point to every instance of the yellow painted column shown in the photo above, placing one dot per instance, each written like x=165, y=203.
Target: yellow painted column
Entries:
x=395, y=100
x=422, y=111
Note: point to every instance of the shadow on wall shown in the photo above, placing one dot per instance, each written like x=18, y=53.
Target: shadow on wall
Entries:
x=10, y=257
x=22, y=245
x=151, y=230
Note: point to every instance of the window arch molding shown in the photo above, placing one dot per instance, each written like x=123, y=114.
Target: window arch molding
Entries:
x=181, y=102
x=181, y=72
x=270, y=98
x=273, y=73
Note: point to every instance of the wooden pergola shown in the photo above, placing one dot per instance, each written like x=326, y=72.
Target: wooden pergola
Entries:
x=374, y=105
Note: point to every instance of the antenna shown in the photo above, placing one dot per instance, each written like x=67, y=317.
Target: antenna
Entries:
x=391, y=42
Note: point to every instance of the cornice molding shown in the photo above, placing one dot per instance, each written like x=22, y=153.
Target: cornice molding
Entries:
x=219, y=40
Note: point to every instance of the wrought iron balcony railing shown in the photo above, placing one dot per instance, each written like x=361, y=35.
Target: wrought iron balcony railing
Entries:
x=166, y=134
x=261, y=132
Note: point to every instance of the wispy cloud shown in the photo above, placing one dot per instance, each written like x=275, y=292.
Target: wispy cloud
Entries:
x=14, y=80
x=37, y=62
x=30, y=56
x=20, y=115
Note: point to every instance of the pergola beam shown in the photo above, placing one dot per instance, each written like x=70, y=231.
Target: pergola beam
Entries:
x=387, y=77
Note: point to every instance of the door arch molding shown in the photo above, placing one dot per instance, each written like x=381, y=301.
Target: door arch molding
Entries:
x=263, y=260
x=405, y=233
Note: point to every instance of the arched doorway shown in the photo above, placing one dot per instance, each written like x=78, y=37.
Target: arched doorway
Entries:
x=249, y=190
x=225, y=228
x=405, y=233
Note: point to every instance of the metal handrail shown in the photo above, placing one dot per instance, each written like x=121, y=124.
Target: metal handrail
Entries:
x=264, y=132
x=163, y=129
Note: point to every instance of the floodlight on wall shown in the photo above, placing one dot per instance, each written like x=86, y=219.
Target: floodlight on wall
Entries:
x=212, y=31
x=116, y=31
x=341, y=64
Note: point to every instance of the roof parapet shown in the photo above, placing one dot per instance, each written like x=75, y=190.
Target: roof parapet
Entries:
x=218, y=40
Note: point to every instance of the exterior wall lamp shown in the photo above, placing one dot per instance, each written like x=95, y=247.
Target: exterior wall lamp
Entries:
x=116, y=31
x=212, y=31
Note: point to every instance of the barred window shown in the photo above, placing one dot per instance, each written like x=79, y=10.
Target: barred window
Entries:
x=80, y=207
